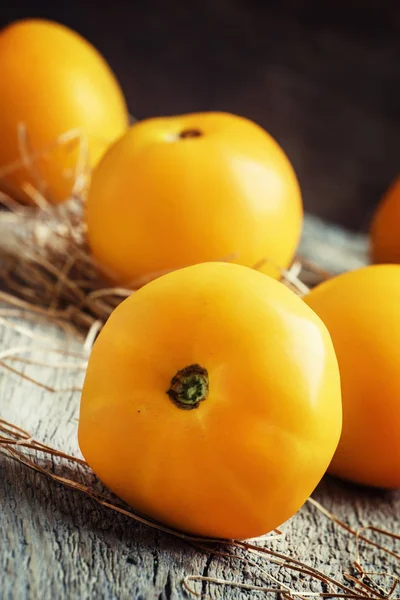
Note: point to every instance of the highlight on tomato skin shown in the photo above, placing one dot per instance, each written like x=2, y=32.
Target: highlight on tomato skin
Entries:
x=181, y=190
x=211, y=401
x=54, y=85
x=361, y=312
x=385, y=226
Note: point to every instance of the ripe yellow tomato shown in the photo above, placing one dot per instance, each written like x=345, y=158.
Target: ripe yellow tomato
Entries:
x=53, y=81
x=182, y=190
x=212, y=402
x=385, y=230
x=361, y=311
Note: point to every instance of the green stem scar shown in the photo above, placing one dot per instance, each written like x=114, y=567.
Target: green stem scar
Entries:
x=189, y=387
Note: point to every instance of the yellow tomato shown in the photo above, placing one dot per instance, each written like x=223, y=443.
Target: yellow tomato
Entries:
x=385, y=231
x=53, y=81
x=361, y=312
x=182, y=190
x=212, y=401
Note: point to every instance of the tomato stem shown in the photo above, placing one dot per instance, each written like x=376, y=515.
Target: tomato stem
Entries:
x=189, y=387
x=190, y=133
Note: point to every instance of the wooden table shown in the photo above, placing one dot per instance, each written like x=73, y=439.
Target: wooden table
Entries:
x=56, y=543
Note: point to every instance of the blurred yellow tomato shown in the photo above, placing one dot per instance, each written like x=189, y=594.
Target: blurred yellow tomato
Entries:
x=212, y=401
x=362, y=312
x=194, y=188
x=385, y=231
x=52, y=81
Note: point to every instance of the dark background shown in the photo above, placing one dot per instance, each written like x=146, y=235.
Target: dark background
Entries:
x=322, y=78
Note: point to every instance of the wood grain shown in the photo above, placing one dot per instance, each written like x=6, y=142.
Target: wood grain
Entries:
x=58, y=544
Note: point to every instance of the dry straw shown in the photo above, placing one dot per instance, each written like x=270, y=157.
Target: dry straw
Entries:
x=45, y=263
x=20, y=446
x=47, y=275
x=44, y=260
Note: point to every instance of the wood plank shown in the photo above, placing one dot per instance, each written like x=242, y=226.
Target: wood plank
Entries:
x=56, y=543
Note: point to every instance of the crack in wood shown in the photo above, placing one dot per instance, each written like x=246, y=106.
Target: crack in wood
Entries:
x=205, y=573
x=166, y=593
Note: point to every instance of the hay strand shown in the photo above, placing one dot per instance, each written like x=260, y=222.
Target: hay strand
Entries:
x=19, y=445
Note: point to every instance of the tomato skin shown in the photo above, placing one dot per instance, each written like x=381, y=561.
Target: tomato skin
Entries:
x=53, y=81
x=361, y=312
x=246, y=459
x=159, y=201
x=385, y=228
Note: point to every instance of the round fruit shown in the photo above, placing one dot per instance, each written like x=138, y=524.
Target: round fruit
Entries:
x=212, y=401
x=385, y=231
x=53, y=82
x=361, y=312
x=182, y=190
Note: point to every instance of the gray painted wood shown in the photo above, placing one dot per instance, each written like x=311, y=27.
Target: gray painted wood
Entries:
x=57, y=544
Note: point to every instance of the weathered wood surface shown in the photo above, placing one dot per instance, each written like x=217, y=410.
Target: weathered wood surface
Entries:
x=57, y=544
